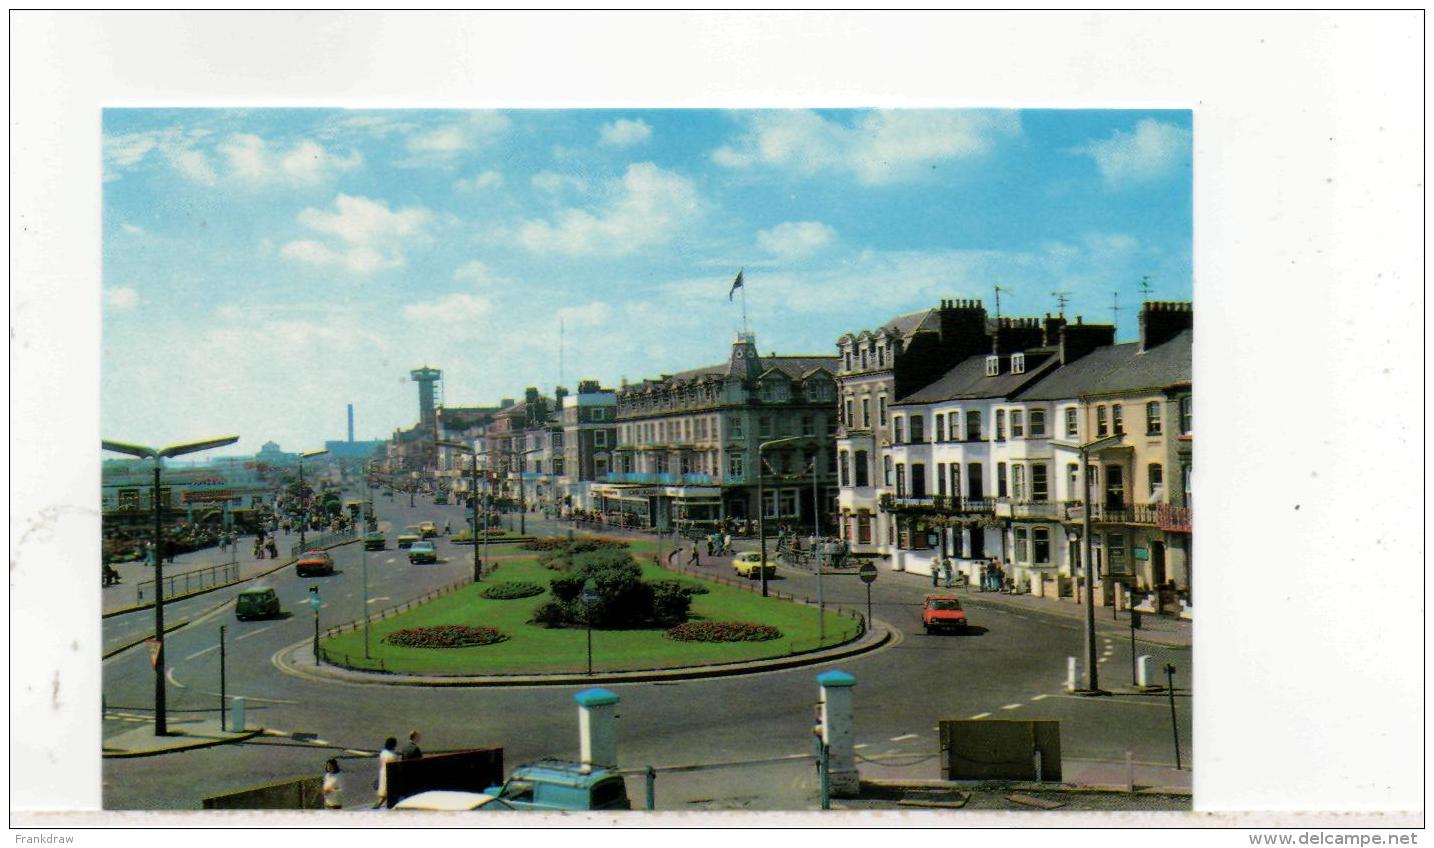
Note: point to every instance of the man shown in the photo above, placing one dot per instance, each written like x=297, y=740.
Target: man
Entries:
x=694, y=560
x=946, y=571
x=411, y=750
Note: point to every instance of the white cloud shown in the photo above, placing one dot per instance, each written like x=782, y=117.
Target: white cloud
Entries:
x=624, y=133
x=195, y=166
x=132, y=229
x=796, y=239
x=646, y=207
x=476, y=271
x=487, y=179
x=879, y=147
x=250, y=158
x=371, y=237
x=121, y=297
x=553, y=182
x=442, y=143
x=595, y=314
x=1154, y=151
x=451, y=309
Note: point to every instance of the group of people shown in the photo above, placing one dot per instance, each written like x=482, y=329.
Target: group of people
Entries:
x=333, y=785
x=993, y=576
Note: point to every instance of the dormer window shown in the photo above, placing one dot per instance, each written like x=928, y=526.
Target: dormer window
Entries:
x=993, y=366
x=1018, y=363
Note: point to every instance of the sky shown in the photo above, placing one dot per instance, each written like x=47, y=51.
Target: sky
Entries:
x=264, y=268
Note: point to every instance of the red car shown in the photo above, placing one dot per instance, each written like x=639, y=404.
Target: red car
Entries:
x=942, y=612
x=315, y=562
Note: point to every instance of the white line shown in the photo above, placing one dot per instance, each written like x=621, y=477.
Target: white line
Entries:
x=1011, y=707
x=255, y=632
x=905, y=737
x=203, y=652
x=358, y=753
x=169, y=675
x=862, y=745
x=979, y=715
x=379, y=598
x=1040, y=697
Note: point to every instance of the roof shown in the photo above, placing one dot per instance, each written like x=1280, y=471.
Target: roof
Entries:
x=1119, y=368
x=967, y=380
x=796, y=367
x=903, y=325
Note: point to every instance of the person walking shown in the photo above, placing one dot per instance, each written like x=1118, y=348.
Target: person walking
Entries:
x=333, y=788
x=386, y=756
x=273, y=549
x=411, y=751
x=694, y=560
x=946, y=571
x=935, y=573
x=258, y=549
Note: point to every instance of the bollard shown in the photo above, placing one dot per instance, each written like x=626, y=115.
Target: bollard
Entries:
x=236, y=714
x=1070, y=674
x=1142, y=671
x=651, y=774
x=1129, y=772
x=1037, y=758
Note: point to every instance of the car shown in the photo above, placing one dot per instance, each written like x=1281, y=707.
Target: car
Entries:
x=750, y=565
x=942, y=612
x=441, y=499
x=315, y=562
x=427, y=529
x=422, y=551
x=409, y=535
x=257, y=602
x=450, y=800
x=562, y=785
x=375, y=541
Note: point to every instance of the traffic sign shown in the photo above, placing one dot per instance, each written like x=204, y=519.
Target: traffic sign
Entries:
x=154, y=646
x=867, y=572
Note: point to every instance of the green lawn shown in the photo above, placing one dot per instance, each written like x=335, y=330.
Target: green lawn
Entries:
x=530, y=648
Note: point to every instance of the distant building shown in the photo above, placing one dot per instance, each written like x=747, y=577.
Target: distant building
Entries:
x=588, y=420
x=270, y=454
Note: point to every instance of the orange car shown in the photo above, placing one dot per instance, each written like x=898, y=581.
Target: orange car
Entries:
x=315, y=562
x=942, y=611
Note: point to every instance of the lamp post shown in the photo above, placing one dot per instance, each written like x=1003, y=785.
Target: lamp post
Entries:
x=1092, y=675
x=473, y=468
x=363, y=546
x=161, y=725
x=304, y=525
x=761, y=507
x=522, y=496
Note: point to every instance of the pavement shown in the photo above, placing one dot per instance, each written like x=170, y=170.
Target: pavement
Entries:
x=185, y=734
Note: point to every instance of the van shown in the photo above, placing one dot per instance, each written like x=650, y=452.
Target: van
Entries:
x=258, y=602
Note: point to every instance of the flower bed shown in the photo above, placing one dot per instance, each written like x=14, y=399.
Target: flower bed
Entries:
x=581, y=544
x=444, y=636
x=511, y=590
x=723, y=631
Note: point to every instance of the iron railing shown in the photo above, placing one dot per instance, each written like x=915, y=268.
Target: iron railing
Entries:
x=327, y=540
x=191, y=581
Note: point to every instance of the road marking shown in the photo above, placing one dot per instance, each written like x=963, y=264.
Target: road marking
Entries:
x=905, y=737
x=169, y=675
x=203, y=652
x=379, y=598
x=979, y=715
x=1011, y=707
x=357, y=753
x=1040, y=697
x=1160, y=704
x=862, y=745
x=255, y=632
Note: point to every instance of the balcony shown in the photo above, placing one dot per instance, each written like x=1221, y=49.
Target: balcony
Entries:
x=1134, y=514
x=942, y=504
x=1036, y=509
x=659, y=479
x=1175, y=519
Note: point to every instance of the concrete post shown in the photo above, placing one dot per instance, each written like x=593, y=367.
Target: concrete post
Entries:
x=597, y=728
x=1142, y=671
x=1070, y=674
x=837, y=732
x=236, y=714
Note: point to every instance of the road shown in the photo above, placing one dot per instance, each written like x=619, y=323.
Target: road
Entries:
x=1011, y=665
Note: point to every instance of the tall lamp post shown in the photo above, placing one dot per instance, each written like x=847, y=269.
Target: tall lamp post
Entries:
x=304, y=525
x=762, y=506
x=1092, y=675
x=522, y=491
x=473, y=492
x=161, y=725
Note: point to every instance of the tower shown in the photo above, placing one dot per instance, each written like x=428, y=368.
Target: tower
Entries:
x=425, y=377
x=351, y=423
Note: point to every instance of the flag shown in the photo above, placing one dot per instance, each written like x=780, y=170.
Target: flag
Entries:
x=736, y=284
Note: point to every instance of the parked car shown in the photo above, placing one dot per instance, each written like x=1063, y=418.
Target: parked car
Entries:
x=375, y=541
x=441, y=498
x=422, y=551
x=749, y=564
x=409, y=535
x=449, y=800
x=561, y=785
x=427, y=529
x=315, y=562
x=257, y=602
x=942, y=612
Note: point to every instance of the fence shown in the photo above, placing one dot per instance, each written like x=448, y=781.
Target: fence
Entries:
x=325, y=541
x=192, y=581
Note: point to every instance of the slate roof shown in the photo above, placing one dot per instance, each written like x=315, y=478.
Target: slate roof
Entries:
x=967, y=380
x=1119, y=368
x=793, y=366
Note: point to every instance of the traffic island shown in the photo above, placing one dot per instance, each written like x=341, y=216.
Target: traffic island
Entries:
x=186, y=734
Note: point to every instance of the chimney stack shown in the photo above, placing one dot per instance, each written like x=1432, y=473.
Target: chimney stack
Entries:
x=1162, y=320
x=1076, y=340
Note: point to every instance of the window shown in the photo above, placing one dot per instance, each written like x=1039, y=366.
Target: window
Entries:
x=1041, y=545
x=1040, y=484
x=1102, y=427
x=807, y=425
x=1038, y=423
x=918, y=480
x=847, y=416
x=1022, y=537
x=862, y=475
x=1018, y=363
x=1018, y=424
x=955, y=419
x=900, y=479
x=880, y=356
x=973, y=425
x=842, y=476
x=1072, y=428
x=881, y=410
x=863, y=527
x=955, y=479
x=764, y=425
x=866, y=413
x=863, y=358
x=769, y=504
x=886, y=470
x=846, y=360
x=1117, y=421
x=831, y=425
x=993, y=366
x=1115, y=553
x=941, y=479
x=940, y=428
x=599, y=438
x=599, y=414
x=918, y=429
x=734, y=466
x=1157, y=480
x=734, y=426
x=1152, y=418
x=1073, y=482
x=1185, y=404
x=1000, y=479
x=1000, y=425
x=896, y=430
x=1018, y=482
x=789, y=502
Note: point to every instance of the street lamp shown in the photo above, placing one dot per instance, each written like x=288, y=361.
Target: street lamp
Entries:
x=473, y=493
x=522, y=496
x=761, y=507
x=161, y=726
x=305, y=524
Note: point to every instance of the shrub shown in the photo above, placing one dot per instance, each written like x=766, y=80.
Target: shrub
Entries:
x=551, y=614
x=670, y=603
x=581, y=544
x=444, y=636
x=511, y=590
x=688, y=589
x=723, y=631
x=566, y=587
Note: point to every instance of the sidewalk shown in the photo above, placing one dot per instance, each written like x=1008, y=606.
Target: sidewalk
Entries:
x=185, y=734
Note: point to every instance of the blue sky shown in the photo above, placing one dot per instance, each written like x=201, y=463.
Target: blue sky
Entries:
x=263, y=268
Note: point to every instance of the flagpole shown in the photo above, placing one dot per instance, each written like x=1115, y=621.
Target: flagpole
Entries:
x=745, y=329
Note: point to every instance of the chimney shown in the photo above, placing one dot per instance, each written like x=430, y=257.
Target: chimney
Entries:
x=1051, y=330
x=597, y=728
x=963, y=327
x=1014, y=335
x=505, y=403
x=587, y=386
x=1162, y=320
x=1078, y=339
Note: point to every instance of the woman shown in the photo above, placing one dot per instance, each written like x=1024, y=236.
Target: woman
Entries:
x=333, y=790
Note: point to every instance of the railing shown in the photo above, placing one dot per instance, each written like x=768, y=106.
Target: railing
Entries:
x=327, y=540
x=1035, y=509
x=1173, y=518
x=692, y=479
x=192, y=581
x=938, y=503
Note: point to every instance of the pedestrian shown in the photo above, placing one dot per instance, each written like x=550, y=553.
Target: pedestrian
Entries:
x=447, y=528
x=273, y=549
x=411, y=750
x=333, y=788
x=946, y=571
x=694, y=560
x=726, y=543
x=710, y=545
x=935, y=573
x=258, y=549
x=386, y=756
